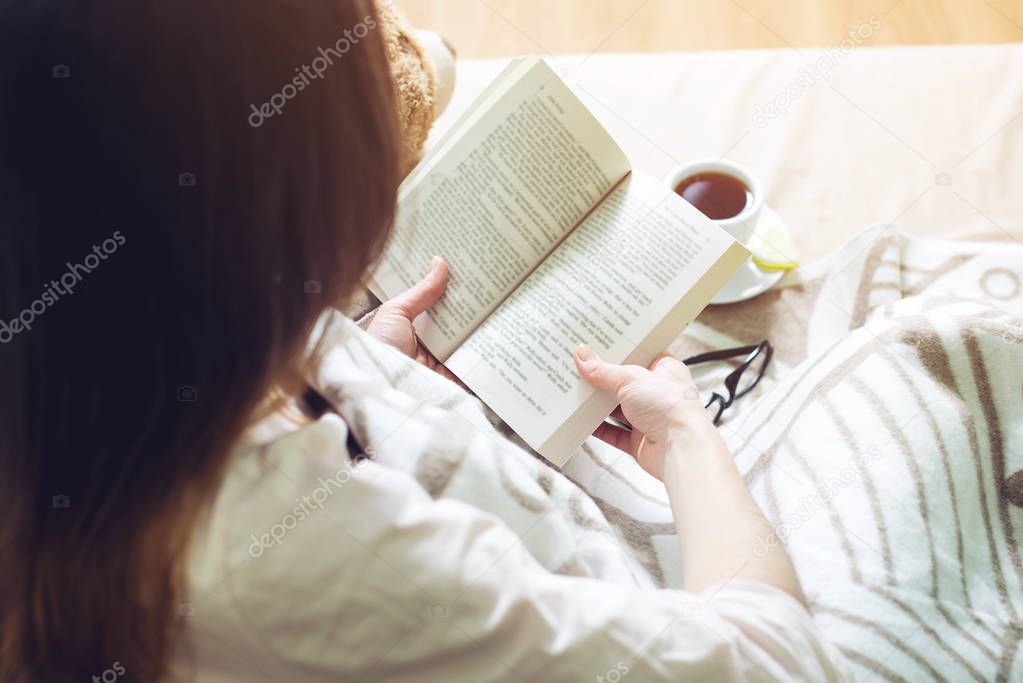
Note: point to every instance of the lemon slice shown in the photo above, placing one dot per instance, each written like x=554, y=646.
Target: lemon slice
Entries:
x=772, y=245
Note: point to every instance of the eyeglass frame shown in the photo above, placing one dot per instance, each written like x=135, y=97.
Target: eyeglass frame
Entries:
x=732, y=380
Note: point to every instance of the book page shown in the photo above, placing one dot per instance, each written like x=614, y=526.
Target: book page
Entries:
x=627, y=281
x=511, y=73
x=496, y=199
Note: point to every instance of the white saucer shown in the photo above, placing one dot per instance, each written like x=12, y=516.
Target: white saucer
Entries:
x=750, y=280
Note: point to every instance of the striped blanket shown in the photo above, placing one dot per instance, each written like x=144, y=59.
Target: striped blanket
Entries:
x=885, y=445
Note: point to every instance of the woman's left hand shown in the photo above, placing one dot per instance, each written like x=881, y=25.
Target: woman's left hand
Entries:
x=392, y=323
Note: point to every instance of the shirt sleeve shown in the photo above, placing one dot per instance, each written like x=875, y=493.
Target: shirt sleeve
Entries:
x=314, y=570
x=496, y=614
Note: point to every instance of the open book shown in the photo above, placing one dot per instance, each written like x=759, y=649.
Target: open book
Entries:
x=551, y=241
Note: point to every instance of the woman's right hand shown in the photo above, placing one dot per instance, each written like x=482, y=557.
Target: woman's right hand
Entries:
x=717, y=521
x=658, y=402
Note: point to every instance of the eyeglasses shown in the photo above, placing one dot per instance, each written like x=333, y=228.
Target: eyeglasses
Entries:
x=740, y=381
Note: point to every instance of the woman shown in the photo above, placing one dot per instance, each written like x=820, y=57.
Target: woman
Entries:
x=165, y=264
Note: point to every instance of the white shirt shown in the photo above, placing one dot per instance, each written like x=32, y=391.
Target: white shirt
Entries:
x=310, y=569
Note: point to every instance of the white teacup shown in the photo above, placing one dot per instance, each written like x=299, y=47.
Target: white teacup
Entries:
x=749, y=280
x=742, y=225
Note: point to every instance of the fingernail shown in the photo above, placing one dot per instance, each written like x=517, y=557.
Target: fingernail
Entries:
x=434, y=262
x=584, y=353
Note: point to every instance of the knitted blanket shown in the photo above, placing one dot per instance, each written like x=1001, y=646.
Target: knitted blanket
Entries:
x=885, y=445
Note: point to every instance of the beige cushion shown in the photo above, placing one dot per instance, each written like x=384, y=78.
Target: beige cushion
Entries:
x=863, y=145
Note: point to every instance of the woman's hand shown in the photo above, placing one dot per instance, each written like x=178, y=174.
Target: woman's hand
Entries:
x=392, y=323
x=657, y=402
x=673, y=438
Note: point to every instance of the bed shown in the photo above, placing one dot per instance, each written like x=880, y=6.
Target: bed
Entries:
x=885, y=444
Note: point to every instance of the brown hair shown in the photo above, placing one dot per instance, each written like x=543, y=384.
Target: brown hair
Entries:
x=183, y=198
